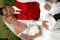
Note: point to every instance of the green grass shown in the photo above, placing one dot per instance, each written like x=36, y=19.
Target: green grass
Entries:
x=4, y=31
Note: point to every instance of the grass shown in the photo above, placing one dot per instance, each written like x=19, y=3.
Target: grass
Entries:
x=5, y=32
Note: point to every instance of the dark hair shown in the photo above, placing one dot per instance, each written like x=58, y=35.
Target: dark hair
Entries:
x=58, y=0
x=46, y=0
x=51, y=0
x=1, y=11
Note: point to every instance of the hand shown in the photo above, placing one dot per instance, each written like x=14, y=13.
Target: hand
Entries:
x=47, y=7
x=45, y=25
x=7, y=10
x=31, y=37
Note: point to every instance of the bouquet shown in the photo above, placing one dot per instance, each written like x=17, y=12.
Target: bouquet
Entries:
x=34, y=30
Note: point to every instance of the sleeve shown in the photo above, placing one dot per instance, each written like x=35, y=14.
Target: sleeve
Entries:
x=37, y=22
x=53, y=11
x=31, y=22
x=43, y=12
x=58, y=7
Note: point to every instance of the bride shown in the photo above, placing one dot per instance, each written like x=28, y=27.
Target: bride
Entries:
x=24, y=23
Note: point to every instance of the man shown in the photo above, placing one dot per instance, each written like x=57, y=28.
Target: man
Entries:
x=55, y=30
x=56, y=12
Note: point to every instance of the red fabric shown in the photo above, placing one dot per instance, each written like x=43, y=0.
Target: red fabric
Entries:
x=30, y=10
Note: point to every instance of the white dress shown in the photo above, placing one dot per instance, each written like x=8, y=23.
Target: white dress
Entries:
x=55, y=30
x=44, y=16
x=28, y=22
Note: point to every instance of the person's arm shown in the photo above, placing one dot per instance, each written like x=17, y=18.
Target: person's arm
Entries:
x=44, y=10
x=55, y=7
x=9, y=18
x=17, y=26
x=30, y=37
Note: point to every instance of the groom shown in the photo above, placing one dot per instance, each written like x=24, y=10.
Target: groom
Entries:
x=56, y=5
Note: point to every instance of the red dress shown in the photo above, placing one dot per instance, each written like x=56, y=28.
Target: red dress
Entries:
x=30, y=10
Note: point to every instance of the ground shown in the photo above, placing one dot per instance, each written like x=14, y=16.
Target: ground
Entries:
x=5, y=32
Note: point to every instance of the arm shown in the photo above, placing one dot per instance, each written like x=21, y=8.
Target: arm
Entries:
x=31, y=37
x=44, y=10
x=17, y=26
x=8, y=17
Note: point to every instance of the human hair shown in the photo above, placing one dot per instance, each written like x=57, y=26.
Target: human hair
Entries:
x=58, y=0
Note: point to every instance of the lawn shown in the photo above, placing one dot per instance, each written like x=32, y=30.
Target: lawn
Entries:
x=5, y=32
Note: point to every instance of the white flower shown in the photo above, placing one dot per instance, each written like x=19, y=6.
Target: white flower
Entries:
x=34, y=29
